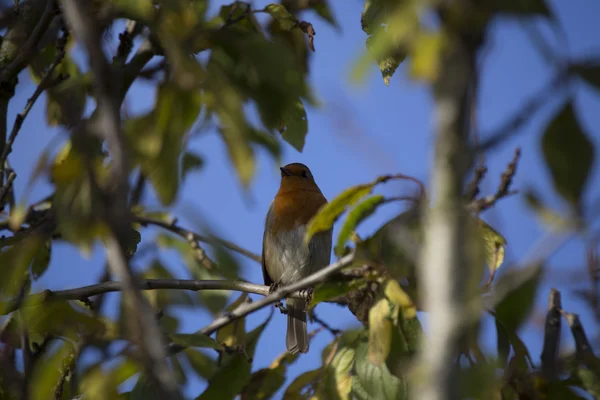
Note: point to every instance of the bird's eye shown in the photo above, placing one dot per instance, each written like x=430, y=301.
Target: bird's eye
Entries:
x=304, y=174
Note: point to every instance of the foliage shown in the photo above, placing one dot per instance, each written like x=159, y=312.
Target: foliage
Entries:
x=219, y=72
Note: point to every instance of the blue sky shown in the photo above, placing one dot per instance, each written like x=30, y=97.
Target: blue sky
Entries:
x=361, y=132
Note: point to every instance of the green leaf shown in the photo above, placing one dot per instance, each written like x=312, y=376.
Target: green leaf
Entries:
x=235, y=374
x=267, y=381
x=569, y=154
x=362, y=211
x=295, y=389
x=372, y=382
x=331, y=289
x=203, y=365
x=590, y=73
x=41, y=259
x=145, y=389
x=521, y=286
x=157, y=138
x=194, y=340
x=590, y=381
x=294, y=126
x=49, y=371
x=327, y=215
x=190, y=161
x=286, y=20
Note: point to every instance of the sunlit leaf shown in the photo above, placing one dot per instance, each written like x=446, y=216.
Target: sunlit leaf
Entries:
x=358, y=214
x=569, y=154
x=235, y=374
x=286, y=20
x=380, y=331
x=494, y=245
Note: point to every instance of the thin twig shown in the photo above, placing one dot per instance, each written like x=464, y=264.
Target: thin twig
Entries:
x=551, y=336
x=503, y=189
x=285, y=291
x=313, y=316
x=86, y=292
x=185, y=233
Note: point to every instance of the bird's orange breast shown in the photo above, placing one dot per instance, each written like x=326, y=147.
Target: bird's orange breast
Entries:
x=292, y=209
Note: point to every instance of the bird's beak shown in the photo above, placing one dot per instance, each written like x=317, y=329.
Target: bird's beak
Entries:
x=285, y=172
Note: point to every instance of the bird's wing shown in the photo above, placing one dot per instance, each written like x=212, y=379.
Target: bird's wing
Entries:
x=266, y=277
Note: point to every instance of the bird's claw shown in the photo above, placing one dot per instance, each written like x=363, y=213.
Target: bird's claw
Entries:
x=281, y=307
x=274, y=286
x=306, y=294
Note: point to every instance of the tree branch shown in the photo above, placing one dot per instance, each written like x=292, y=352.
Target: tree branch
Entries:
x=186, y=234
x=286, y=291
x=145, y=284
x=551, y=336
x=116, y=210
x=442, y=270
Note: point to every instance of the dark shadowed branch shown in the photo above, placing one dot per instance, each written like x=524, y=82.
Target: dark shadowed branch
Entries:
x=551, y=336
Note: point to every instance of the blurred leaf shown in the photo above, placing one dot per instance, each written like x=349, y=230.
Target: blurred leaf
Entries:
x=286, y=20
x=321, y=7
x=15, y=261
x=66, y=101
x=201, y=363
x=295, y=389
x=426, y=51
x=395, y=294
x=503, y=343
x=590, y=73
x=590, y=381
x=362, y=211
x=194, y=340
x=520, y=7
x=517, y=303
x=569, y=154
x=99, y=384
x=41, y=259
x=554, y=220
x=157, y=138
x=267, y=381
x=145, y=389
x=234, y=334
x=49, y=371
x=380, y=331
x=234, y=375
x=494, y=245
x=294, y=126
x=390, y=26
x=190, y=162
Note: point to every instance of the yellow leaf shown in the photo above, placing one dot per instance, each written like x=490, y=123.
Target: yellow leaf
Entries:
x=494, y=245
x=234, y=334
x=396, y=295
x=380, y=331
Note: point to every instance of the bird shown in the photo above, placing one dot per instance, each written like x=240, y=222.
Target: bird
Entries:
x=286, y=257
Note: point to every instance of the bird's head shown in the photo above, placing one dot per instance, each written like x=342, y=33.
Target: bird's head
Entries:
x=297, y=177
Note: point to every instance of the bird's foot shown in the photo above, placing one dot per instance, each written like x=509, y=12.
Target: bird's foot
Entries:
x=306, y=294
x=272, y=289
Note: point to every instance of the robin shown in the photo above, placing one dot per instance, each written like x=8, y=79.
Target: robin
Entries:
x=286, y=258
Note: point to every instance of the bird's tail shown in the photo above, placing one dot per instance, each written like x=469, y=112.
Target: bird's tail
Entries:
x=297, y=337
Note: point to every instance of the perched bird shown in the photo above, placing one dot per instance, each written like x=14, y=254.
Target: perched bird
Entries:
x=286, y=258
